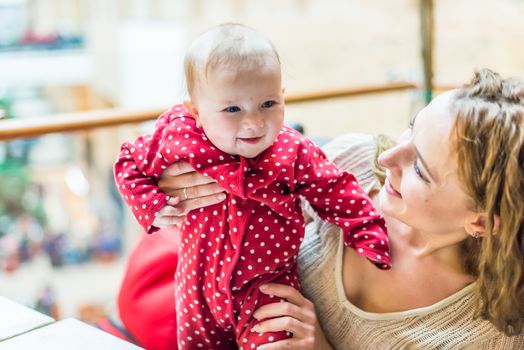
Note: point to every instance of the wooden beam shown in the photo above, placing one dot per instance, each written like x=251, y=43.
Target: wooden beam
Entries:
x=349, y=92
x=33, y=127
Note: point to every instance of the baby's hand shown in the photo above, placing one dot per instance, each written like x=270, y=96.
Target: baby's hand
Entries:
x=170, y=215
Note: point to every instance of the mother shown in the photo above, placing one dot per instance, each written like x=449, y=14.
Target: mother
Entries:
x=453, y=198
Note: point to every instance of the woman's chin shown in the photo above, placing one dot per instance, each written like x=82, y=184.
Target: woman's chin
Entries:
x=387, y=203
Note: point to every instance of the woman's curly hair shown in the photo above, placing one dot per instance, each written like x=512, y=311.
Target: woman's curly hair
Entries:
x=488, y=140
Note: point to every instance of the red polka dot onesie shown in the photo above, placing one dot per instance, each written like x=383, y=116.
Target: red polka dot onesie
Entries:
x=229, y=249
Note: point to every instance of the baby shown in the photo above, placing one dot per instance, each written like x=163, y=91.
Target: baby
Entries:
x=232, y=130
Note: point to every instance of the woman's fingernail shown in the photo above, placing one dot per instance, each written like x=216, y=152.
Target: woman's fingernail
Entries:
x=221, y=196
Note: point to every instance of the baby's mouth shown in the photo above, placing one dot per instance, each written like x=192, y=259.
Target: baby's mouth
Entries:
x=250, y=140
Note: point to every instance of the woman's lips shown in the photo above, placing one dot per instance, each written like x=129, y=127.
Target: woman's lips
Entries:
x=250, y=140
x=391, y=190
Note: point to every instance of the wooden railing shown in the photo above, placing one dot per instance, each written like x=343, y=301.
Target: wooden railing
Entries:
x=32, y=127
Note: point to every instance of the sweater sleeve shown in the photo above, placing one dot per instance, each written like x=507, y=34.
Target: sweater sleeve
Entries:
x=337, y=198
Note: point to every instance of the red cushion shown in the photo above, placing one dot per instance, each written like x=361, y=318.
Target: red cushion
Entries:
x=146, y=299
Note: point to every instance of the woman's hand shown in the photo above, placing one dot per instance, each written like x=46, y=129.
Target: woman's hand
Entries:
x=188, y=190
x=296, y=315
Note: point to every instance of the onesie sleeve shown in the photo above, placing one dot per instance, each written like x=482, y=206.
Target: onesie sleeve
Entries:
x=337, y=198
x=140, y=164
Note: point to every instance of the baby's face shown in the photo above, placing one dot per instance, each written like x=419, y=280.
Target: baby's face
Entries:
x=241, y=111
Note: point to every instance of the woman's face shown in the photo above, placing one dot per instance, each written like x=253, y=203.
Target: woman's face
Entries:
x=422, y=188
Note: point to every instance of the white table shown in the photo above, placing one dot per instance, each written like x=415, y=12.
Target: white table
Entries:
x=16, y=319
x=22, y=328
x=65, y=335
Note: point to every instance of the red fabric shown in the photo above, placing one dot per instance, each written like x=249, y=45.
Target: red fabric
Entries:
x=106, y=325
x=146, y=299
x=251, y=238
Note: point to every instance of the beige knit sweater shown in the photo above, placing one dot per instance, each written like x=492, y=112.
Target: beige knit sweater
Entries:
x=447, y=324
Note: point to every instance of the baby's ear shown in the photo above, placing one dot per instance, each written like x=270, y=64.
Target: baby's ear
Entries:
x=193, y=110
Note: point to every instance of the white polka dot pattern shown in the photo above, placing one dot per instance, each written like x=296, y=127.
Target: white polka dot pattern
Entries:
x=229, y=249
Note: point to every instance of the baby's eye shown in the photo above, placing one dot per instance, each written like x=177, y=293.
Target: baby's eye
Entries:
x=232, y=109
x=268, y=104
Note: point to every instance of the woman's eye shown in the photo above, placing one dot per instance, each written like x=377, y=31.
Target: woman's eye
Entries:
x=418, y=172
x=232, y=109
x=268, y=104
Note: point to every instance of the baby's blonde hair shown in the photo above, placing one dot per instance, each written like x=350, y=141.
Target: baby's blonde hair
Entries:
x=229, y=46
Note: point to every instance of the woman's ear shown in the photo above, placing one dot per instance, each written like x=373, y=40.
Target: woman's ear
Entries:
x=193, y=110
x=477, y=224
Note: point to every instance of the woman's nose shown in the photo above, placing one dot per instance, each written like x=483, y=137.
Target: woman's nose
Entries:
x=385, y=158
x=394, y=158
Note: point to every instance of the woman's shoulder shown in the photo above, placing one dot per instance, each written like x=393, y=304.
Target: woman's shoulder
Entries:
x=347, y=145
x=357, y=153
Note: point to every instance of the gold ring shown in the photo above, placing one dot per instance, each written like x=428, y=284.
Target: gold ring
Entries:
x=185, y=194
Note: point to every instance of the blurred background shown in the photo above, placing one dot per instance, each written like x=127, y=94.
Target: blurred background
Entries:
x=65, y=233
